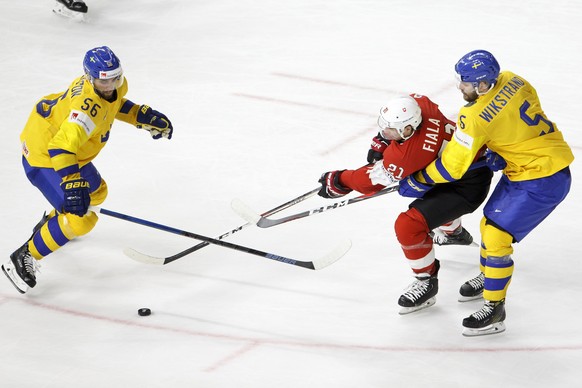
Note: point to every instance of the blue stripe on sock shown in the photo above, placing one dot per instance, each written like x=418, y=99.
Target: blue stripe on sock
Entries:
x=41, y=247
x=56, y=232
x=496, y=284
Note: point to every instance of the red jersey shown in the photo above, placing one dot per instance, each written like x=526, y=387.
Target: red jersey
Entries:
x=407, y=157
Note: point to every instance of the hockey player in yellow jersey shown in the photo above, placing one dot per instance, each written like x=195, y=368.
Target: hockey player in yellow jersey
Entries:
x=64, y=133
x=504, y=113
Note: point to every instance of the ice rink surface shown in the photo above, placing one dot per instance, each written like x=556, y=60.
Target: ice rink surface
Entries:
x=264, y=97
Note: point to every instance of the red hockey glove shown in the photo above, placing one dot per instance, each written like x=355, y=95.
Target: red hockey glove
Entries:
x=377, y=147
x=330, y=185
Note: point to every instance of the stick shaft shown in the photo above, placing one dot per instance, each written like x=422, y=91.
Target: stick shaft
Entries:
x=277, y=209
x=267, y=223
x=252, y=251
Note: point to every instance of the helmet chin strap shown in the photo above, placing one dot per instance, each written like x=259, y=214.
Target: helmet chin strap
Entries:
x=485, y=92
x=401, y=133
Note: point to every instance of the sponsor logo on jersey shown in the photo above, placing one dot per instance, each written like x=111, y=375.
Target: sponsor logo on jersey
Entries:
x=25, y=150
x=463, y=139
x=83, y=120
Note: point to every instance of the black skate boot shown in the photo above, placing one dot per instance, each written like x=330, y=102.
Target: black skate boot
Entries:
x=21, y=269
x=421, y=293
x=488, y=320
x=472, y=289
x=459, y=237
x=74, y=9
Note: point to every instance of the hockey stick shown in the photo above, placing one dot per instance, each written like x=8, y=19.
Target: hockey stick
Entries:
x=248, y=214
x=143, y=258
x=320, y=263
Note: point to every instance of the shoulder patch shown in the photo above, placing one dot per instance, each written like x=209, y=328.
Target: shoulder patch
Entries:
x=82, y=119
x=463, y=139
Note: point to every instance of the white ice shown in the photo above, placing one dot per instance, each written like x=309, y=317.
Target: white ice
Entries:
x=264, y=97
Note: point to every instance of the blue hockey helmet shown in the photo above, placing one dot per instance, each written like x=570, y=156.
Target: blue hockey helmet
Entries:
x=477, y=66
x=102, y=63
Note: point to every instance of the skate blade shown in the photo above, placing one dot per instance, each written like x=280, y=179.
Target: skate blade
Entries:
x=470, y=298
x=61, y=10
x=16, y=282
x=408, y=310
x=459, y=244
x=494, y=328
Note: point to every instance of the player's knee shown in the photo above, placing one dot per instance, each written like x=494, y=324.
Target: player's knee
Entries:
x=80, y=226
x=98, y=196
x=496, y=242
x=411, y=228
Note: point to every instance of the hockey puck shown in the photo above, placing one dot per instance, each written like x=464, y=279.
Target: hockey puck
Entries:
x=144, y=312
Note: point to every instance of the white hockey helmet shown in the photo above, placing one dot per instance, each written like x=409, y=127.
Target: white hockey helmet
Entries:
x=399, y=113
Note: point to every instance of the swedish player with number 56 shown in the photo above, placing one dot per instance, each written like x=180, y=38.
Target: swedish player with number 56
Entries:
x=504, y=113
x=64, y=133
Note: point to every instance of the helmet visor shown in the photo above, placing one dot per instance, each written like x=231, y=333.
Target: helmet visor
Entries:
x=108, y=80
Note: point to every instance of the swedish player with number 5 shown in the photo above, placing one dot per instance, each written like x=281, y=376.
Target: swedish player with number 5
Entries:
x=413, y=132
x=64, y=133
x=503, y=112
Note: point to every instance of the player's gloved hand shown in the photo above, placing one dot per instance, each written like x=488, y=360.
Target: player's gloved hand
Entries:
x=494, y=161
x=330, y=185
x=410, y=187
x=377, y=147
x=155, y=122
x=77, y=197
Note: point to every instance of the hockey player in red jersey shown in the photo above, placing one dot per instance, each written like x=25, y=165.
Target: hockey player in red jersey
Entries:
x=412, y=133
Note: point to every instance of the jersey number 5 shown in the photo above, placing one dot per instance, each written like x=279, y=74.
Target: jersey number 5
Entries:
x=534, y=121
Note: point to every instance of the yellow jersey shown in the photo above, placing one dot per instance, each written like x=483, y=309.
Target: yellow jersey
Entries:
x=509, y=120
x=67, y=130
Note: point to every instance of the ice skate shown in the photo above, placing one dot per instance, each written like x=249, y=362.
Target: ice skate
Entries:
x=488, y=320
x=73, y=9
x=21, y=269
x=459, y=237
x=421, y=293
x=472, y=289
